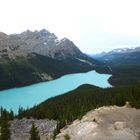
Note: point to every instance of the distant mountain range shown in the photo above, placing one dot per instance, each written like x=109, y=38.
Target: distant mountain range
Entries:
x=123, y=64
x=120, y=56
x=35, y=56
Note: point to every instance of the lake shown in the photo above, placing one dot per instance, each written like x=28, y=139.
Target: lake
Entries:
x=34, y=94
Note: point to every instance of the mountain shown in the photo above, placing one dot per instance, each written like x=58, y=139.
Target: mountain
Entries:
x=3, y=35
x=123, y=64
x=120, y=56
x=35, y=56
x=41, y=42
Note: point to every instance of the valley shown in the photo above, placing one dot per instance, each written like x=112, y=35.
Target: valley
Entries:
x=37, y=93
x=69, y=70
x=50, y=82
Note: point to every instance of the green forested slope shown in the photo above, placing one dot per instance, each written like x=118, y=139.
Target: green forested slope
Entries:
x=24, y=71
x=76, y=103
x=122, y=74
x=124, y=64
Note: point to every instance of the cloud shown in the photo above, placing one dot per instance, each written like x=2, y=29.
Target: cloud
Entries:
x=92, y=25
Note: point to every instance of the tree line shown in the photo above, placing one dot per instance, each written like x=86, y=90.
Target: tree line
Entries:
x=72, y=105
x=5, y=132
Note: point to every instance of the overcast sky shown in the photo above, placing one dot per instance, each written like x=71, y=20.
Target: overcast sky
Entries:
x=93, y=25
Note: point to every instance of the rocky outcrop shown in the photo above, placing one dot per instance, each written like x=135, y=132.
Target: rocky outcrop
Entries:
x=3, y=35
x=20, y=128
x=41, y=42
x=105, y=123
x=43, y=76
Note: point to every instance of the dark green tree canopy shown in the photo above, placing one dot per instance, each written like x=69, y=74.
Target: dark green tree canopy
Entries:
x=34, y=133
x=5, y=126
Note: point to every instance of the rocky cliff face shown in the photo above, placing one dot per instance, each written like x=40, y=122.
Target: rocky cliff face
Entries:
x=3, y=35
x=41, y=42
x=105, y=123
x=20, y=129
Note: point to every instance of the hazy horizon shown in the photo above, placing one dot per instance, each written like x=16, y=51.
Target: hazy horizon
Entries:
x=94, y=26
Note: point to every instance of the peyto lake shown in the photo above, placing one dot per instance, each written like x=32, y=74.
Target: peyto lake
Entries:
x=34, y=94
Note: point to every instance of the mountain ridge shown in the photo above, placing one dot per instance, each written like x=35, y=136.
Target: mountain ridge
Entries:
x=120, y=56
x=42, y=42
x=35, y=56
x=124, y=65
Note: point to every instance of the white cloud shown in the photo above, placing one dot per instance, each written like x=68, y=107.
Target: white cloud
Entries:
x=93, y=25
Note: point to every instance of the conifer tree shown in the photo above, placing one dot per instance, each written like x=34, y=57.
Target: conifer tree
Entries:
x=5, y=127
x=34, y=133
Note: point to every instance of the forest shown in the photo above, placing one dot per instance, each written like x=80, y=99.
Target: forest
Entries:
x=74, y=104
x=130, y=74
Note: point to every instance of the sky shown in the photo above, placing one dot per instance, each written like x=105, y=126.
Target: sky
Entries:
x=93, y=25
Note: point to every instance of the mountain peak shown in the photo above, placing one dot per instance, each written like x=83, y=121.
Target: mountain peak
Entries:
x=3, y=35
x=64, y=39
x=44, y=32
x=40, y=42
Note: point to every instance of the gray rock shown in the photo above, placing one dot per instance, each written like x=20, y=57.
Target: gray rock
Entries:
x=41, y=42
x=120, y=125
x=20, y=128
x=105, y=123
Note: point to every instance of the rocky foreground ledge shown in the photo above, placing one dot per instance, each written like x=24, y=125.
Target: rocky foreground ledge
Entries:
x=105, y=123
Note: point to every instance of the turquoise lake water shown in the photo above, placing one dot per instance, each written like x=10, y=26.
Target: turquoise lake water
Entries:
x=34, y=94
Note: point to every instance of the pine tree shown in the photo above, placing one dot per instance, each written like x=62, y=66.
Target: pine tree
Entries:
x=5, y=126
x=34, y=133
x=20, y=111
x=56, y=130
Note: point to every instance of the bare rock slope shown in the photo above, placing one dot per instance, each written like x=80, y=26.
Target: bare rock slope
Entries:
x=20, y=129
x=105, y=123
x=41, y=42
